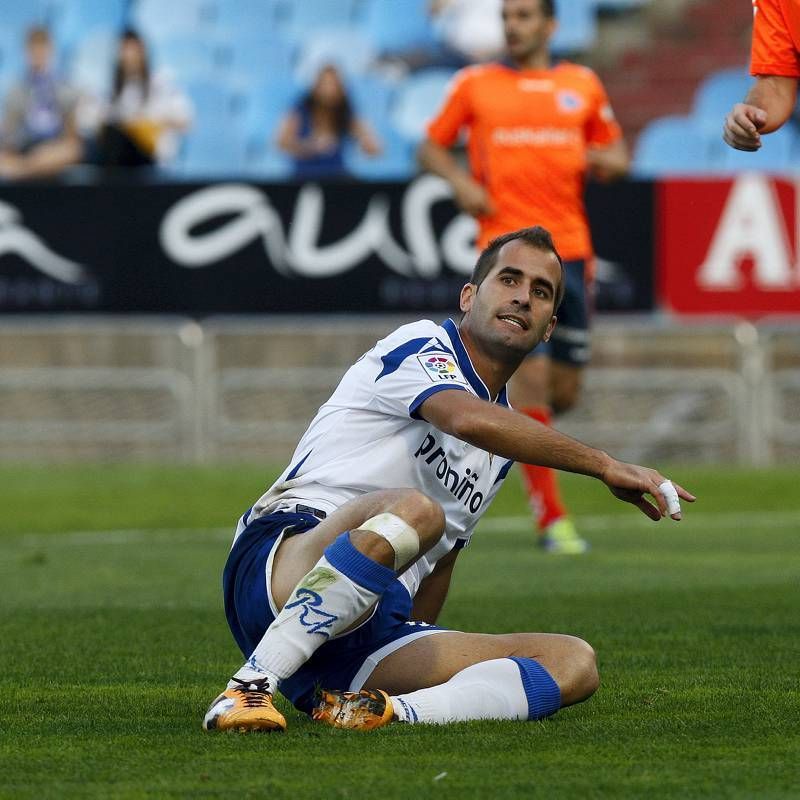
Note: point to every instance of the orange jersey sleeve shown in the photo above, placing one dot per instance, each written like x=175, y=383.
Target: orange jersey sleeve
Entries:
x=455, y=112
x=776, y=34
x=602, y=127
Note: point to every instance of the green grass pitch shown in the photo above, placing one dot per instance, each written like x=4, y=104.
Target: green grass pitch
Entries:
x=114, y=642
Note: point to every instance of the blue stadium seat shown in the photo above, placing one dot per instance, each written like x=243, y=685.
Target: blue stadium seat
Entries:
x=399, y=27
x=16, y=16
x=215, y=103
x=577, y=26
x=303, y=17
x=213, y=150
x=156, y=19
x=347, y=48
x=396, y=162
x=371, y=95
x=267, y=104
x=778, y=154
x=73, y=20
x=418, y=99
x=91, y=62
x=249, y=16
x=673, y=145
x=12, y=55
x=717, y=94
x=256, y=57
x=188, y=57
x=268, y=164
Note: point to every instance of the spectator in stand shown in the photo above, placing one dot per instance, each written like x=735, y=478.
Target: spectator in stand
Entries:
x=775, y=63
x=38, y=137
x=146, y=114
x=315, y=131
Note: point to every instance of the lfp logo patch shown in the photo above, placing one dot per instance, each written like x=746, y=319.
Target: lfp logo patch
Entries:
x=568, y=100
x=441, y=368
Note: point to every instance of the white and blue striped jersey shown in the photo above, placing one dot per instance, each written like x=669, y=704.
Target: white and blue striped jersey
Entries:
x=369, y=436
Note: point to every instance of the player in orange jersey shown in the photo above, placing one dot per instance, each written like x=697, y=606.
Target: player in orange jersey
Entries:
x=775, y=63
x=534, y=131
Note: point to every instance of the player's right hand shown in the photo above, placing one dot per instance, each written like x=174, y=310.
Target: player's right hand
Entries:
x=631, y=483
x=472, y=198
x=742, y=126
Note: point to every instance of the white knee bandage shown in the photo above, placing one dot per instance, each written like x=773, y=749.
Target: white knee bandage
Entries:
x=403, y=539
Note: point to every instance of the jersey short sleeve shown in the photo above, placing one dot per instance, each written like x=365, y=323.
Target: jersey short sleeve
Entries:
x=602, y=127
x=773, y=51
x=454, y=114
x=410, y=373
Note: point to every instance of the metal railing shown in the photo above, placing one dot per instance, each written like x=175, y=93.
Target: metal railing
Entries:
x=245, y=389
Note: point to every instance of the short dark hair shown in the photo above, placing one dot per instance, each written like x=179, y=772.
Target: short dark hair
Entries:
x=537, y=237
x=548, y=7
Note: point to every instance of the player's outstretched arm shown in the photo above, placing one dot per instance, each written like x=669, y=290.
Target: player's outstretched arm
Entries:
x=508, y=434
x=768, y=105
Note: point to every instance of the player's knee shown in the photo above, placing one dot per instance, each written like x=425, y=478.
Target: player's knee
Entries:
x=432, y=519
x=408, y=527
x=585, y=677
x=422, y=513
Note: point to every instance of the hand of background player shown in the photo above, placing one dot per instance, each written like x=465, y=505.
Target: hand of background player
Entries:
x=473, y=198
x=742, y=127
x=631, y=483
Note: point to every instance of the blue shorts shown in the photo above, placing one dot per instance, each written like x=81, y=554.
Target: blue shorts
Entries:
x=570, y=343
x=344, y=662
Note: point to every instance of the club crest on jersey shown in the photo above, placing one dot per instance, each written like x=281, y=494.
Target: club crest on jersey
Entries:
x=441, y=368
x=568, y=100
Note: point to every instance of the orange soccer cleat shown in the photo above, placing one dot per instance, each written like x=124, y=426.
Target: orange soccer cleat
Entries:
x=244, y=708
x=363, y=711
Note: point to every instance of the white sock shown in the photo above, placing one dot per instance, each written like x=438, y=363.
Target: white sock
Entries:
x=340, y=588
x=488, y=690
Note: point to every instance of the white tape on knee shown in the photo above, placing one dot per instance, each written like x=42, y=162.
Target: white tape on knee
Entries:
x=404, y=540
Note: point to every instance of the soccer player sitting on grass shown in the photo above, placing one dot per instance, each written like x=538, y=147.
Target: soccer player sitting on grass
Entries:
x=337, y=574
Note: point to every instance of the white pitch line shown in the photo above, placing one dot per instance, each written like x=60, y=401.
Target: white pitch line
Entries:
x=635, y=519
x=596, y=522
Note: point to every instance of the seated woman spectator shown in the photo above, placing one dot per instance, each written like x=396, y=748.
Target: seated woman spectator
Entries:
x=38, y=137
x=314, y=133
x=146, y=113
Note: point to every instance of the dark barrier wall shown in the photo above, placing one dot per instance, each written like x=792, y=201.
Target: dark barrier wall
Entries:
x=237, y=247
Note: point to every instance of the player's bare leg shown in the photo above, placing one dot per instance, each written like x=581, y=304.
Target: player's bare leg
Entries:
x=297, y=555
x=323, y=582
x=540, y=387
x=450, y=677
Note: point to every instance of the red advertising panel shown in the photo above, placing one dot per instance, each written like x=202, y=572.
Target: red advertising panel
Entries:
x=729, y=246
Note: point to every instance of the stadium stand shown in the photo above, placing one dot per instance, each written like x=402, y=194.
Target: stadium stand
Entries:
x=716, y=95
x=420, y=93
x=675, y=145
x=687, y=70
x=577, y=28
